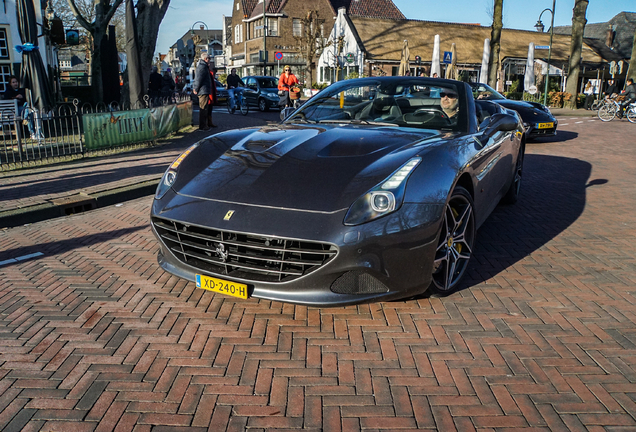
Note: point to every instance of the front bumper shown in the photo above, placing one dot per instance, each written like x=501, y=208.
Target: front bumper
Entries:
x=395, y=252
x=533, y=130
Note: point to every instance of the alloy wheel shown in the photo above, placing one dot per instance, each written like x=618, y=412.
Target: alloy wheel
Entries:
x=456, y=241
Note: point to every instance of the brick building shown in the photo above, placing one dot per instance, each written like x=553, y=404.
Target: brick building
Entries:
x=248, y=43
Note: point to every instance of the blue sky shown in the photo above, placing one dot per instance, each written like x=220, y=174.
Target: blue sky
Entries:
x=519, y=14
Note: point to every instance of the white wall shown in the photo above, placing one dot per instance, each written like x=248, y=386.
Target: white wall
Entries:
x=327, y=58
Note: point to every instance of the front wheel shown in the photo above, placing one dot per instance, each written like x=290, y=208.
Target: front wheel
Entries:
x=631, y=114
x=606, y=113
x=262, y=105
x=244, y=107
x=455, y=244
x=229, y=106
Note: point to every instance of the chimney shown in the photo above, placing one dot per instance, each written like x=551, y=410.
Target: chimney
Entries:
x=609, y=39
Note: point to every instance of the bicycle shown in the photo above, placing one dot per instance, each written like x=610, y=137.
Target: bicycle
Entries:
x=239, y=101
x=609, y=109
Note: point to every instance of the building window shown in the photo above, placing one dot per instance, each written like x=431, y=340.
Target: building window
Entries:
x=238, y=4
x=272, y=26
x=298, y=27
x=236, y=34
x=258, y=28
x=4, y=44
x=5, y=73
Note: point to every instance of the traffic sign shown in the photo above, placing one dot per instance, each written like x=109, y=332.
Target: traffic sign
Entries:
x=448, y=57
x=278, y=55
x=542, y=47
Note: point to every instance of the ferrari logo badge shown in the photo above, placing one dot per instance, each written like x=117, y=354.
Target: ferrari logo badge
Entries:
x=228, y=215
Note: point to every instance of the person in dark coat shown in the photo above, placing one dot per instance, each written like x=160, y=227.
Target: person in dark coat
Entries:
x=154, y=84
x=202, y=87
x=14, y=91
x=212, y=99
x=167, y=85
x=630, y=96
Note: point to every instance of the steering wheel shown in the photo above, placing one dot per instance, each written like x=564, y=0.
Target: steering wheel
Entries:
x=425, y=115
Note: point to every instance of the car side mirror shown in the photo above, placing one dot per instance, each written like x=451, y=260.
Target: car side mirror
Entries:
x=499, y=123
x=286, y=112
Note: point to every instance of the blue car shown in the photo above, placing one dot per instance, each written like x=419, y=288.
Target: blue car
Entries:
x=261, y=91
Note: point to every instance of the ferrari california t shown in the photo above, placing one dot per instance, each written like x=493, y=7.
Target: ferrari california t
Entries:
x=373, y=190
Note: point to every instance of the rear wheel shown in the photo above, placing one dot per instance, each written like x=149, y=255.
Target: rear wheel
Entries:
x=606, y=113
x=631, y=114
x=262, y=105
x=455, y=244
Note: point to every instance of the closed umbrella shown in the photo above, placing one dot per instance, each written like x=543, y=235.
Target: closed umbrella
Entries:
x=528, y=78
x=404, y=60
x=33, y=73
x=451, y=70
x=435, y=69
x=135, y=80
x=483, y=73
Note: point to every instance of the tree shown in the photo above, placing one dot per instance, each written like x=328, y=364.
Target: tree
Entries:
x=576, y=45
x=150, y=13
x=311, y=43
x=98, y=28
x=631, y=72
x=495, y=39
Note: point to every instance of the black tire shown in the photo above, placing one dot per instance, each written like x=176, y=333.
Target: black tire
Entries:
x=262, y=105
x=244, y=107
x=631, y=114
x=512, y=195
x=455, y=243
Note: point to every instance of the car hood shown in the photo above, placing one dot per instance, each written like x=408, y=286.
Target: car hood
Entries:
x=529, y=112
x=269, y=90
x=299, y=167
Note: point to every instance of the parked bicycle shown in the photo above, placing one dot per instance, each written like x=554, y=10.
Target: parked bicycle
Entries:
x=239, y=101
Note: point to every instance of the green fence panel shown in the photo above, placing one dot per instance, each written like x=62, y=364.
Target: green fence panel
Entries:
x=104, y=130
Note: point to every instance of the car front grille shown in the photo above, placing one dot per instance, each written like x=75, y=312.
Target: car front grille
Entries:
x=244, y=256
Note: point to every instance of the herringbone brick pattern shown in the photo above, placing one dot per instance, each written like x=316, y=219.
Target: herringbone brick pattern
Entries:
x=94, y=336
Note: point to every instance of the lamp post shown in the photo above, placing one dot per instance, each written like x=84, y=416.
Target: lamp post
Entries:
x=539, y=26
x=207, y=35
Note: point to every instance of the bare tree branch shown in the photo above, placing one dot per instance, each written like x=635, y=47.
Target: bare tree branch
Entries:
x=80, y=18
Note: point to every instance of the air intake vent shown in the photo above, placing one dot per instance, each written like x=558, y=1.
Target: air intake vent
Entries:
x=245, y=256
x=358, y=282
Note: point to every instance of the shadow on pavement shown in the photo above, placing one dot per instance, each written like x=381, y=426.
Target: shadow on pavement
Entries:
x=63, y=246
x=561, y=136
x=553, y=194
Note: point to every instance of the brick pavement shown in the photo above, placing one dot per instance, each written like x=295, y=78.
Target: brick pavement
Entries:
x=96, y=337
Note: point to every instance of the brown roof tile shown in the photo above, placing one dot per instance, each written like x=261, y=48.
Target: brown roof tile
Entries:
x=383, y=40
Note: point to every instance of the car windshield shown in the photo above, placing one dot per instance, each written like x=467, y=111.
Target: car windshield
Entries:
x=483, y=91
x=268, y=82
x=402, y=102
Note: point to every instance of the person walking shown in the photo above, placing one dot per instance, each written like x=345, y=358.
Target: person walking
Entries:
x=154, y=84
x=167, y=85
x=589, y=95
x=285, y=82
x=202, y=87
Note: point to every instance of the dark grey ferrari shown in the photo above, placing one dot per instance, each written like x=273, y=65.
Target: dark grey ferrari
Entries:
x=373, y=190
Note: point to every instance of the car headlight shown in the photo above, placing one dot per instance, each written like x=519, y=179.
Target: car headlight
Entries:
x=170, y=176
x=271, y=95
x=383, y=199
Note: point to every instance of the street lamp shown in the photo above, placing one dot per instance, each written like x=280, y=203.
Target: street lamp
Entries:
x=207, y=34
x=539, y=26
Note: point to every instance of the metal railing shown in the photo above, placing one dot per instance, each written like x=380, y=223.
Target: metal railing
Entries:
x=32, y=135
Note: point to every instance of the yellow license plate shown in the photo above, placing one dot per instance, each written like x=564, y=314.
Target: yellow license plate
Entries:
x=221, y=286
x=545, y=125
